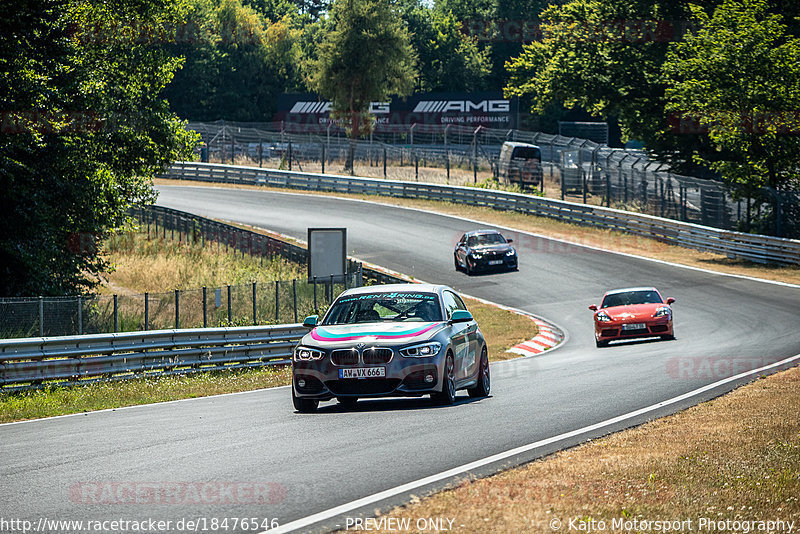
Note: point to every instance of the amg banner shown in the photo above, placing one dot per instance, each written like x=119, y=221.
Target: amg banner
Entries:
x=487, y=109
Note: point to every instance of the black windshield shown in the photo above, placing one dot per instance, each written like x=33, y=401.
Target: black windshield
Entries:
x=379, y=307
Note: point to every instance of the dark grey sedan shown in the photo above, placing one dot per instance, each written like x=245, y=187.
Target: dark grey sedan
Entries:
x=483, y=250
x=388, y=341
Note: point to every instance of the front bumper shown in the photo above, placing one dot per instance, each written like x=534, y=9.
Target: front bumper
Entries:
x=653, y=327
x=486, y=262
x=405, y=377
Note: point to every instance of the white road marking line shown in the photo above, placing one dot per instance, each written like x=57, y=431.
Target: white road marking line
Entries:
x=397, y=490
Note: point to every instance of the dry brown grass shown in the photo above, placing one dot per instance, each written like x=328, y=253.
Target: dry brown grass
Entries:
x=604, y=239
x=157, y=265
x=501, y=328
x=737, y=458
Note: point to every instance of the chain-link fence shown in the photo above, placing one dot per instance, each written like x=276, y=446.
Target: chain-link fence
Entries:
x=278, y=302
x=573, y=168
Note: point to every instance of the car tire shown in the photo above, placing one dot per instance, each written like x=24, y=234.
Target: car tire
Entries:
x=600, y=344
x=347, y=402
x=448, y=394
x=304, y=405
x=484, y=384
x=455, y=261
x=669, y=337
x=467, y=268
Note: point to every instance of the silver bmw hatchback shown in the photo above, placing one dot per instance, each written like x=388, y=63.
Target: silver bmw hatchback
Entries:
x=397, y=340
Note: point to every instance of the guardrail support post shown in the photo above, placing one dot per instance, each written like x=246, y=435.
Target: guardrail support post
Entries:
x=147, y=311
x=255, y=317
x=205, y=307
x=177, y=309
x=41, y=317
x=116, y=315
x=294, y=297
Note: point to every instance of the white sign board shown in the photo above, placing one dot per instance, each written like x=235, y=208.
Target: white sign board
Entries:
x=327, y=254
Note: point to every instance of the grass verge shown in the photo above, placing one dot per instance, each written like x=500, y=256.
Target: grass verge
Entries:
x=593, y=237
x=736, y=458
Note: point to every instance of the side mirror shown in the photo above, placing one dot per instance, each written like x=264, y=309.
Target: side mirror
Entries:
x=670, y=300
x=509, y=240
x=593, y=307
x=461, y=316
x=310, y=321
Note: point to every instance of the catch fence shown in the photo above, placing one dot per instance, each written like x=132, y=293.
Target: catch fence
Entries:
x=574, y=169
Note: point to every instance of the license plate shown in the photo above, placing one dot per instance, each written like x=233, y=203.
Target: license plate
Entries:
x=363, y=372
x=637, y=326
x=495, y=262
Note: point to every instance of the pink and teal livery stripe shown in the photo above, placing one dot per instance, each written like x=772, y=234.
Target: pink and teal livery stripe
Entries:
x=320, y=334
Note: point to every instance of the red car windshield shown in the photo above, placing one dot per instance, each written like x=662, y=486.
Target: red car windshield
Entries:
x=631, y=297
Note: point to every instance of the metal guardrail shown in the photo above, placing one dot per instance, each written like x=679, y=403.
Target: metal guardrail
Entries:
x=41, y=362
x=737, y=245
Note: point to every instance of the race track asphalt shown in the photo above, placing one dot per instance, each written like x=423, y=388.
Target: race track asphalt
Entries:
x=72, y=467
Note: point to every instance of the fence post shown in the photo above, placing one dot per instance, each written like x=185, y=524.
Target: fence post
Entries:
x=384, y=161
x=323, y=159
x=233, y=148
x=80, y=315
x=290, y=154
x=260, y=151
x=416, y=166
x=116, y=315
x=277, y=302
x=316, y=308
x=146, y=310
x=294, y=297
x=41, y=317
x=205, y=307
x=177, y=309
x=230, y=317
x=255, y=318
x=330, y=297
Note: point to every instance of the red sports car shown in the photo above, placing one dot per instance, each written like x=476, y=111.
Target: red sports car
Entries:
x=634, y=312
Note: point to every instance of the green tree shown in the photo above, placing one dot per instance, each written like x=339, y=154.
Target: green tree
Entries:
x=83, y=132
x=365, y=56
x=737, y=79
x=606, y=56
x=236, y=65
x=449, y=60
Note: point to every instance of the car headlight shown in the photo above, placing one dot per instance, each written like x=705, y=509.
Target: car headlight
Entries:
x=307, y=354
x=425, y=350
x=603, y=317
x=476, y=255
x=663, y=311
x=511, y=252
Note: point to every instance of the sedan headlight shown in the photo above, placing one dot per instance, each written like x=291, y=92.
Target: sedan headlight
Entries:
x=426, y=350
x=603, y=317
x=663, y=311
x=511, y=252
x=307, y=354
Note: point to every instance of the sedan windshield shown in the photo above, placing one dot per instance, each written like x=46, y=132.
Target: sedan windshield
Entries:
x=631, y=297
x=485, y=239
x=380, y=307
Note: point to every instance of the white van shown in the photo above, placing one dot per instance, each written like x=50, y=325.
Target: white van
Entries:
x=520, y=163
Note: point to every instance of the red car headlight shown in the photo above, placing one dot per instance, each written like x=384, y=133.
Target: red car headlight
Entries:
x=602, y=317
